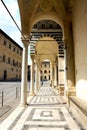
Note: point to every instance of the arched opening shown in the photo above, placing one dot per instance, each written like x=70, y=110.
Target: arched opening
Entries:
x=5, y=75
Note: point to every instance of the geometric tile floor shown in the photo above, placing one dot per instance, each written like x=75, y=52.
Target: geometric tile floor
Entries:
x=46, y=111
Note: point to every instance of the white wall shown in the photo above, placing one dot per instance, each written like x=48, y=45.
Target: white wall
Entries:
x=80, y=44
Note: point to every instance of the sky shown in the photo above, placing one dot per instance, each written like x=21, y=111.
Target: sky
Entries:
x=6, y=23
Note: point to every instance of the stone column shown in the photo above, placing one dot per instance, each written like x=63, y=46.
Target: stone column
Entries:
x=65, y=67
x=55, y=75
x=51, y=74
x=61, y=75
x=57, y=72
x=39, y=68
x=32, y=93
x=70, y=69
x=36, y=77
x=24, y=72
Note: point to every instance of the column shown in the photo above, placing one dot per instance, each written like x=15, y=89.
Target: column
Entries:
x=24, y=72
x=61, y=75
x=32, y=93
x=36, y=79
x=57, y=72
x=65, y=67
x=69, y=68
x=55, y=75
x=39, y=79
x=39, y=68
x=51, y=74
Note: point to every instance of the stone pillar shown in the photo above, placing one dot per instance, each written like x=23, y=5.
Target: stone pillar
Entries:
x=51, y=73
x=61, y=75
x=39, y=79
x=37, y=74
x=32, y=93
x=39, y=68
x=55, y=75
x=24, y=72
x=70, y=69
x=65, y=67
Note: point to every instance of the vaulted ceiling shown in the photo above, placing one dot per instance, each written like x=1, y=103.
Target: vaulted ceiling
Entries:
x=36, y=16
x=32, y=11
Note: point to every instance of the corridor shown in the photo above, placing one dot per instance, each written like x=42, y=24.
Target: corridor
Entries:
x=46, y=111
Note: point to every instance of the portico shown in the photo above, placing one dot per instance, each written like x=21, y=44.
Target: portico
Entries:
x=46, y=29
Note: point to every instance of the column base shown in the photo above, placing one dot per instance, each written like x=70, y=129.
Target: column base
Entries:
x=61, y=90
x=70, y=92
x=32, y=94
x=23, y=104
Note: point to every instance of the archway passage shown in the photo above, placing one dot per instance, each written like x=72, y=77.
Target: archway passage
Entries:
x=46, y=32
x=46, y=43
x=41, y=26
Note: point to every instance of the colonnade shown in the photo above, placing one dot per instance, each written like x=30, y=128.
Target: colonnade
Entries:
x=35, y=72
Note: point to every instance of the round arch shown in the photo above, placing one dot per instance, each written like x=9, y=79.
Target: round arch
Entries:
x=51, y=16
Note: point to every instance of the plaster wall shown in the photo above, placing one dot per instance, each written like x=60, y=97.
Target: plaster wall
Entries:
x=80, y=44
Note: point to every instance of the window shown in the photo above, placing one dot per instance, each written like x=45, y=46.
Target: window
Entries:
x=41, y=71
x=4, y=58
x=14, y=49
x=9, y=46
x=45, y=71
x=13, y=62
x=9, y=60
x=5, y=43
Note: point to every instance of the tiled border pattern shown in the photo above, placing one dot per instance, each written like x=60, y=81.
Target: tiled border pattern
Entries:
x=74, y=118
x=26, y=127
x=38, y=100
x=30, y=117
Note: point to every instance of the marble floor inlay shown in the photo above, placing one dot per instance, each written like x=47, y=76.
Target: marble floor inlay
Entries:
x=46, y=111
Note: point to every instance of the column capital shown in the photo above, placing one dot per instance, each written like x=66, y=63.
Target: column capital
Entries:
x=25, y=40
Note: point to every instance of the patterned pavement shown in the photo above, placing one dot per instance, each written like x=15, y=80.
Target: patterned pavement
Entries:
x=46, y=111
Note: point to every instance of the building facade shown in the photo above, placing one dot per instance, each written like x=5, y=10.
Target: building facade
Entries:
x=10, y=58
x=45, y=71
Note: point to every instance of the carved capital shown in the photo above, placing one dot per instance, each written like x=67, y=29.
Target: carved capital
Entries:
x=25, y=40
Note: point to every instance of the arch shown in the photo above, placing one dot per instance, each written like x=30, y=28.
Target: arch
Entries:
x=5, y=75
x=50, y=16
x=45, y=50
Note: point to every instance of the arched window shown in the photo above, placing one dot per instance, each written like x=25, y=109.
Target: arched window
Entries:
x=9, y=60
x=45, y=71
x=4, y=42
x=13, y=62
x=5, y=75
x=4, y=58
x=41, y=71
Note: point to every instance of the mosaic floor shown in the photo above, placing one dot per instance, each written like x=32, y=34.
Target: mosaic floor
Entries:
x=46, y=111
